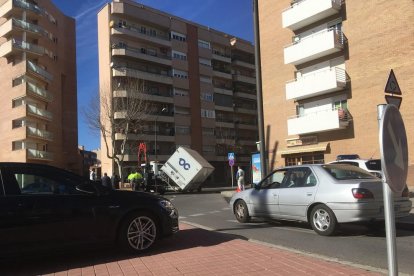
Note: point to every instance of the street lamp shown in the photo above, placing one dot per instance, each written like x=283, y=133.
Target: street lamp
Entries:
x=155, y=138
x=155, y=145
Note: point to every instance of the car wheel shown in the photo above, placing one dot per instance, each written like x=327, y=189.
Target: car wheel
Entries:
x=139, y=232
x=241, y=212
x=323, y=220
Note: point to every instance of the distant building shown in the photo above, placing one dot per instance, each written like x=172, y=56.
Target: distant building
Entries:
x=325, y=65
x=38, y=121
x=199, y=82
x=89, y=160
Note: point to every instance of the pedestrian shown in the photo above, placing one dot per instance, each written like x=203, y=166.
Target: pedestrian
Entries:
x=240, y=178
x=92, y=175
x=115, y=181
x=106, y=181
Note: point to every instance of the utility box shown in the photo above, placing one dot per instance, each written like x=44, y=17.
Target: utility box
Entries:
x=187, y=169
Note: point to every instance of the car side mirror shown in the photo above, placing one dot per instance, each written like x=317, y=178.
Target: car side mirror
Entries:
x=256, y=186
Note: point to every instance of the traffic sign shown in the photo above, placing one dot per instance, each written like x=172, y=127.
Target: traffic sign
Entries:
x=395, y=100
x=231, y=162
x=392, y=84
x=230, y=156
x=394, y=149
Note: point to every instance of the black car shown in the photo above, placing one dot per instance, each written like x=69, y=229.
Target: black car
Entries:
x=42, y=205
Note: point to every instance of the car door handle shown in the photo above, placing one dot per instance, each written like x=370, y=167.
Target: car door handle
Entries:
x=309, y=194
x=274, y=194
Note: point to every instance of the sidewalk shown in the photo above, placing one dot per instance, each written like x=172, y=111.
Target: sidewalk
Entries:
x=192, y=251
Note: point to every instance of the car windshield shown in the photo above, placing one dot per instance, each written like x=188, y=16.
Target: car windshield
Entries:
x=345, y=171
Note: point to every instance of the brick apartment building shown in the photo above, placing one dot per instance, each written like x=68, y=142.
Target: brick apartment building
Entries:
x=38, y=119
x=200, y=84
x=325, y=64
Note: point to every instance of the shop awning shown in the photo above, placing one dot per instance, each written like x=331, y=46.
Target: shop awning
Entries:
x=303, y=149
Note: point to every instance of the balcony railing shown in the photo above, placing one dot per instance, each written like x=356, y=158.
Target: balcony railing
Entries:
x=38, y=154
x=141, y=51
x=140, y=74
x=28, y=6
x=302, y=13
x=39, y=71
x=39, y=91
x=28, y=47
x=39, y=112
x=320, y=121
x=29, y=27
x=318, y=83
x=314, y=46
x=32, y=131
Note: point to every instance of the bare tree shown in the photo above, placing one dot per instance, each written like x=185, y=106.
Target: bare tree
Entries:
x=118, y=109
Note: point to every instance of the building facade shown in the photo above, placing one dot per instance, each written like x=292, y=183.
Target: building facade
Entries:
x=325, y=64
x=199, y=82
x=38, y=120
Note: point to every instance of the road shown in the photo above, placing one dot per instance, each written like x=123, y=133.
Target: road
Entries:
x=353, y=243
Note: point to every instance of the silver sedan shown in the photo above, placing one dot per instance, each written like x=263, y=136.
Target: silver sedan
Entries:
x=322, y=195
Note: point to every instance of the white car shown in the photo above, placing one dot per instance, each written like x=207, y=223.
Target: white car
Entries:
x=371, y=165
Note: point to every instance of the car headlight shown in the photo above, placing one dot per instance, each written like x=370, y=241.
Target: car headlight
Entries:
x=167, y=205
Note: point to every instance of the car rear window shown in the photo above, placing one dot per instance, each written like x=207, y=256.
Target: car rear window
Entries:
x=374, y=164
x=346, y=172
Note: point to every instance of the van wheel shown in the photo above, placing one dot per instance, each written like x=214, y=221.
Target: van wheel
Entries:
x=323, y=220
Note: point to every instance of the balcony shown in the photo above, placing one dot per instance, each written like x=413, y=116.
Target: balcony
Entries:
x=318, y=83
x=245, y=109
x=39, y=71
x=302, y=13
x=141, y=54
x=243, y=78
x=240, y=94
x=15, y=24
x=135, y=73
x=38, y=112
x=39, y=133
x=325, y=120
x=241, y=63
x=7, y=8
x=36, y=91
x=314, y=46
x=8, y=48
x=133, y=32
x=39, y=155
x=217, y=55
x=221, y=74
x=223, y=90
x=147, y=96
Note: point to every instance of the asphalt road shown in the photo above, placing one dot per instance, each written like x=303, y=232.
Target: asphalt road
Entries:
x=354, y=243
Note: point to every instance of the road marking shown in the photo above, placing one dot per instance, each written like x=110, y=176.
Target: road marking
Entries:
x=197, y=215
x=182, y=217
x=226, y=208
x=214, y=212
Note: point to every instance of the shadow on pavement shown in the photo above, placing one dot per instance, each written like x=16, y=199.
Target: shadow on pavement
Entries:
x=82, y=256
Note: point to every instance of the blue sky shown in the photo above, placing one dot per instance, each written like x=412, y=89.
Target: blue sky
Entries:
x=229, y=16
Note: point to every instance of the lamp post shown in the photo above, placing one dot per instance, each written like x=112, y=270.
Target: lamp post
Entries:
x=259, y=88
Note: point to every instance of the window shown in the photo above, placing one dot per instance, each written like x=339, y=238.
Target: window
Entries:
x=299, y=177
x=274, y=180
x=178, y=36
x=183, y=130
x=152, y=52
x=180, y=92
x=209, y=149
x=203, y=44
x=180, y=74
x=207, y=113
x=208, y=97
x=205, y=79
x=179, y=55
x=181, y=110
x=208, y=131
x=205, y=61
x=342, y=104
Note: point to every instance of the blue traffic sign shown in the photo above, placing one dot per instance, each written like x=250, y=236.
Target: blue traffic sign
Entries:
x=230, y=156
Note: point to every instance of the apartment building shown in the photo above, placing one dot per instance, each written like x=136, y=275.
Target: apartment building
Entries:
x=38, y=119
x=325, y=65
x=199, y=83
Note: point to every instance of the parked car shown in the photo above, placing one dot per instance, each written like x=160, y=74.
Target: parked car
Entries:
x=323, y=195
x=371, y=165
x=42, y=205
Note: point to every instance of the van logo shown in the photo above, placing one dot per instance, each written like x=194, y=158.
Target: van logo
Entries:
x=183, y=163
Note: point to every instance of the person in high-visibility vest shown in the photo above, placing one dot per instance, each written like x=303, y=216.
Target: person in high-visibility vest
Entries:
x=135, y=179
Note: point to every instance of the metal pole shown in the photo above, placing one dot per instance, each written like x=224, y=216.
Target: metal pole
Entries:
x=259, y=88
x=155, y=139
x=232, y=176
x=389, y=214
